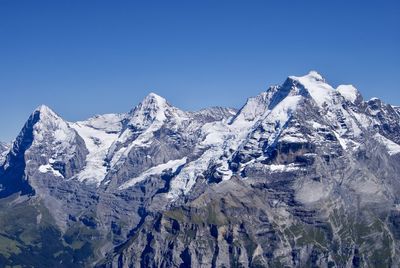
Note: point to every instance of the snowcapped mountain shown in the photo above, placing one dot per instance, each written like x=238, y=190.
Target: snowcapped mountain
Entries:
x=4, y=147
x=303, y=175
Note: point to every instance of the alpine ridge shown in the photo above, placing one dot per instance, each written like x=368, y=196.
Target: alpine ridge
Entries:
x=303, y=175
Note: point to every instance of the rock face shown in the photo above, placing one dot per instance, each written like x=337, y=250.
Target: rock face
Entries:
x=303, y=175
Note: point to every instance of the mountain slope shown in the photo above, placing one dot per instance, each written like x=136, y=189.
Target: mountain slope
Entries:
x=303, y=175
x=315, y=185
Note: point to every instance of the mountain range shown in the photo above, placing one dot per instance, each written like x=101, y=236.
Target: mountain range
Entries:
x=303, y=175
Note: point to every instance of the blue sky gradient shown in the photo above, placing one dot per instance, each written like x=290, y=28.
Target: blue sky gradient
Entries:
x=90, y=57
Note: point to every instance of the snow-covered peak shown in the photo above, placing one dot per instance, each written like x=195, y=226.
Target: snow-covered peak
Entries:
x=153, y=95
x=311, y=76
x=349, y=92
x=45, y=111
x=140, y=124
x=316, y=86
x=315, y=75
x=153, y=100
x=46, y=135
x=50, y=127
x=47, y=116
x=49, y=121
x=151, y=108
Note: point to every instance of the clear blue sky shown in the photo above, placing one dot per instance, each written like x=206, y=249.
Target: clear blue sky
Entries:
x=84, y=57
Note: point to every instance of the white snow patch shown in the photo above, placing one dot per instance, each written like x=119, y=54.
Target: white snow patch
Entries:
x=172, y=164
x=214, y=133
x=185, y=180
x=363, y=120
x=341, y=141
x=284, y=109
x=48, y=168
x=97, y=142
x=316, y=125
x=392, y=147
x=106, y=122
x=349, y=92
x=281, y=168
x=292, y=135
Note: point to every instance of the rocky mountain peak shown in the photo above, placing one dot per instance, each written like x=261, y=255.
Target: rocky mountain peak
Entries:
x=311, y=78
x=45, y=112
x=152, y=108
x=46, y=134
x=315, y=85
x=44, y=109
x=311, y=85
x=45, y=120
x=315, y=76
x=152, y=100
